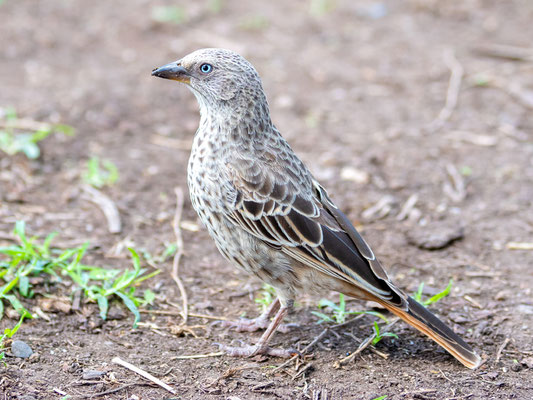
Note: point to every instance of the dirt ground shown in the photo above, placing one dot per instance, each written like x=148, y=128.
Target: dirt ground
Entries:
x=359, y=90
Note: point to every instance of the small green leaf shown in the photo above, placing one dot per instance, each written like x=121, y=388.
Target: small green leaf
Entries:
x=100, y=175
x=169, y=14
x=20, y=227
x=327, y=303
x=10, y=332
x=215, y=6
x=24, y=286
x=132, y=307
x=65, y=129
x=466, y=170
x=323, y=317
x=418, y=294
x=103, y=305
x=45, y=248
x=31, y=150
x=440, y=295
x=149, y=297
x=40, y=134
x=170, y=250
x=135, y=258
x=10, y=113
x=379, y=335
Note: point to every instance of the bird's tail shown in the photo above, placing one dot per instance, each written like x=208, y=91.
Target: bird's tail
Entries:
x=422, y=319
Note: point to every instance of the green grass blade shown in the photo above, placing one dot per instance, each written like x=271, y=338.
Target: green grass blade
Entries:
x=373, y=313
x=147, y=276
x=418, y=294
x=17, y=305
x=8, y=286
x=131, y=306
x=24, y=286
x=327, y=303
x=323, y=317
x=20, y=227
x=103, y=305
x=149, y=297
x=440, y=295
x=10, y=332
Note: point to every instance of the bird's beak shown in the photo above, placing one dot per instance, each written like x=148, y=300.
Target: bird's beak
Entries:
x=172, y=71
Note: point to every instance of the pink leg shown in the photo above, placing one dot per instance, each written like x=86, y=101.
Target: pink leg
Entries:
x=262, y=345
x=261, y=322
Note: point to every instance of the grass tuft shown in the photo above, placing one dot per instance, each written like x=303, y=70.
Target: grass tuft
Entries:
x=22, y=136
x=338, y=312
x=433, y=299
x=268, y=295
x=169, y=14
x=99, y=285
x=380, y=335
x=100, y=173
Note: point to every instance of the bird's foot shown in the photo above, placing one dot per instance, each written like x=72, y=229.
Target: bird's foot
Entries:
x=256, y=324
x=250, y=351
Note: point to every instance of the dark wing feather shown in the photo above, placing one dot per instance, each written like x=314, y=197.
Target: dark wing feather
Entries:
x=293, y=213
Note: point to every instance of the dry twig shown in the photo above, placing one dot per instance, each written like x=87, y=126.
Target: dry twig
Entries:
x=179, y=253
x=519, y=245
x=167, y=312
x=144, y=374
x=371, y=348
x=315, y=341
x=195, y=356
x=456, y=188
x=379, y=210
x=452, y=94
x=25, y=124
x=472, y=301
x=407, y=207
x=107, y=206
x=364, y=344
x=505, y=52
x=262, y=385
x=502, y=348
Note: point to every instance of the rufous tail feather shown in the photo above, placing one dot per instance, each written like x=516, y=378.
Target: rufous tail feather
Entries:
x=423, y=320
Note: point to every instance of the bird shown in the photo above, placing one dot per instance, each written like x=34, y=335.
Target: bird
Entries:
x=269, y=216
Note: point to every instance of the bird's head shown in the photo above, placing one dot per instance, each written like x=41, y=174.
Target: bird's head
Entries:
x=216, y=76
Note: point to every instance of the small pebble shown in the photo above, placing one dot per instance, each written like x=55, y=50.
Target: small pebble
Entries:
x=435, y=237
x=21, y=349
x=92, y=374
x=355, y=175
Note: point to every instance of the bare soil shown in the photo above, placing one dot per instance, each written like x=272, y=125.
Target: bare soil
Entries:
x=357, y=91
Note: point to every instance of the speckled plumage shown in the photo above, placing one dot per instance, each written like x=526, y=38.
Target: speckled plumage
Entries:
x=266, y=212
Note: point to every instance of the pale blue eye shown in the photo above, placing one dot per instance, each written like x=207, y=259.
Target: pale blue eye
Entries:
x=206, y=68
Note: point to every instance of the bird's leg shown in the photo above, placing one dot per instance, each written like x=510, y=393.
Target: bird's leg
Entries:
x=261, y=322
x=262, y=345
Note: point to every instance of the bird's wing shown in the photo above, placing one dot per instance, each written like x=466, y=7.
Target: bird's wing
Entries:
x=290, y=211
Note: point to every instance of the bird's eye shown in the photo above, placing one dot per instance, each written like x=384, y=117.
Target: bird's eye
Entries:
x=206, y=68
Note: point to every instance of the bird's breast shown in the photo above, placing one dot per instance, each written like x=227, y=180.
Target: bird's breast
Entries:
x=209, y=182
